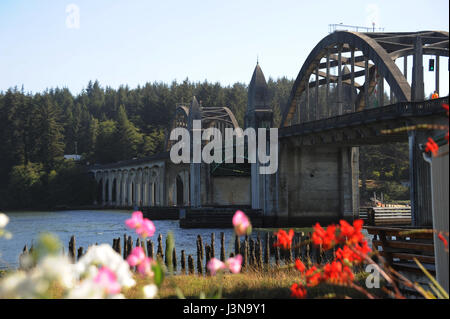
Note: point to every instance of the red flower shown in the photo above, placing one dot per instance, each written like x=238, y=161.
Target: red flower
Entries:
x=351, y=234
x=336, y=273
x=441, y=237
x=348, y=256
x=312, y=276
x=445, y=106
x=284, y=239
x=325, y=238
x=299, y=265
x=431, y=146
x=298, y=291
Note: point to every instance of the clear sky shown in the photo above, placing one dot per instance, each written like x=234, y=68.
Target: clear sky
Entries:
x=133, y=42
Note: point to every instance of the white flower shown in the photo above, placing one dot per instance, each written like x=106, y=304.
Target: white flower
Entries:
x=88, y=289
x=58, y=268
x=4, y=220
x=104, y=255
x=23, y=285
x=150, y=291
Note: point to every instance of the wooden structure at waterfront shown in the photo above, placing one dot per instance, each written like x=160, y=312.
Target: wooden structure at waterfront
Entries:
x=257, y=251
x=400, y=245
x=389, y=216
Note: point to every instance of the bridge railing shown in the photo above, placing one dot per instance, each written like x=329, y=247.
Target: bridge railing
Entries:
x=392, y=111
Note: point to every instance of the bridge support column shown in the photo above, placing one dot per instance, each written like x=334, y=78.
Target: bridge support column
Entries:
x=104, y=189
x=110, y=187
x=420, y=181
x=195, y=182
x=118, y=189
x=138, y=189
x=130, y=191
x=316, y=184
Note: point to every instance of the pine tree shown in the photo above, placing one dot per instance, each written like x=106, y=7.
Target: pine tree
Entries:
x=128, y=138
x=50, y=142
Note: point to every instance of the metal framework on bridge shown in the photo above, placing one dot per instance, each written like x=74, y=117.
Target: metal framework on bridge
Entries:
x=370, y=56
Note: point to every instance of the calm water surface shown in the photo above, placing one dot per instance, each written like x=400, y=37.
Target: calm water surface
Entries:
x=90, y=227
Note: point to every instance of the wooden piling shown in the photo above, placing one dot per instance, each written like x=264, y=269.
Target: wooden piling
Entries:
x=289, y=257
x=252, y=256
x=129, y=245
x=199, y=261
x=200, y=245
x=208, y=257
x=183, y=263
x=150, y=251
x=80, y=253
x=222, y=246
x=245, y=254
x=138, y=242
x=267, y=250
x=259, y=253
x=72, y=249
x=118, y=246
x=213, y=254
x=159, y=252
x=237, y=245
x=125, y=253
x=174, y=259
x=168, y=258
x=191, y=264
x=277, y=255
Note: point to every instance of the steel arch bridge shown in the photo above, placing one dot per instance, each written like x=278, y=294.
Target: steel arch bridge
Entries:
x=217, y=117
x=371, y=57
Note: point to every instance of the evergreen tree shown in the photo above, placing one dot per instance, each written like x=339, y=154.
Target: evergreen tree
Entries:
x=127, y=136
x=50, y=145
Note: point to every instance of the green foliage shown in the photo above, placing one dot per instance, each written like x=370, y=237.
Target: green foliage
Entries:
x=388, y=165
x=25, y=185
x=103, y=125
x=47, y=244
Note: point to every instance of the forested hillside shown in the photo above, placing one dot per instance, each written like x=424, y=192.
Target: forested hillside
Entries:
x=102, y=124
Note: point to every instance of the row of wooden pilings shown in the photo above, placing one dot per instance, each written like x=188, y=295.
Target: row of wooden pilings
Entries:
x=257, y=253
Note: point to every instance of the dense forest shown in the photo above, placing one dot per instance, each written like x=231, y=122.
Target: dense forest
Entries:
x=107, y=125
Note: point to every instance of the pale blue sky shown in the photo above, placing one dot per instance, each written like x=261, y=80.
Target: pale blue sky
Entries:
x=133, y=42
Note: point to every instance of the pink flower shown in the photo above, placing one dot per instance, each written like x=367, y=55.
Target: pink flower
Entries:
x=138, y=258
x=234, y=264
x=147, y=229
x=215, y=265
x=241, y=223
x=108, y=280
x=135, y=221
x=144, y=227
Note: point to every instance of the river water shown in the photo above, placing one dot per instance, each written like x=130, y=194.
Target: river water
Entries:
x=96, y=226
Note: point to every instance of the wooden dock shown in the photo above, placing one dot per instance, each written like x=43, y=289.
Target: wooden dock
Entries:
x=391, y=215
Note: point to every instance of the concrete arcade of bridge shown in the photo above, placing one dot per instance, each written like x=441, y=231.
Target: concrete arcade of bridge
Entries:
x=326, y=119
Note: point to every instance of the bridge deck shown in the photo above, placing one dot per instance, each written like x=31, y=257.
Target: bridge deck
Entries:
x=396, y=113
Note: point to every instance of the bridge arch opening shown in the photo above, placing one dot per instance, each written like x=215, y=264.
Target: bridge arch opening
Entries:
x=180, y=191
x=100, y=191
x=114, y=191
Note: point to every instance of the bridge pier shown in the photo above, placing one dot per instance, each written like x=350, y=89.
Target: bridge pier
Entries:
x=420, y=181
x=316, y=184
